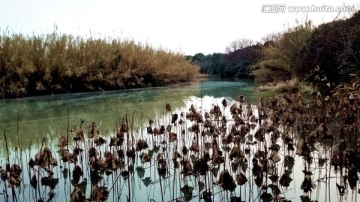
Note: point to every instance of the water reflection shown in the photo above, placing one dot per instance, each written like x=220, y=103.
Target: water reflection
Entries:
x=228, y=153
x=31, y=119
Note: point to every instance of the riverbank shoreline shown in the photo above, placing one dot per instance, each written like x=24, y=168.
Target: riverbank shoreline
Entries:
x=173, y=84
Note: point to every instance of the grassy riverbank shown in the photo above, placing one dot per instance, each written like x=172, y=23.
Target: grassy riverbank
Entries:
x=60, y=63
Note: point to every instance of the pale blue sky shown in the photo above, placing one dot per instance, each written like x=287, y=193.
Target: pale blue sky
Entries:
x=186, y=26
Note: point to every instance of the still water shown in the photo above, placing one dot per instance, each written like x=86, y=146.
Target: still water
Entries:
x=31, y=124
x=47, y=116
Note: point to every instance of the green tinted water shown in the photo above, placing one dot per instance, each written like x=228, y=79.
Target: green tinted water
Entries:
x=47, y=116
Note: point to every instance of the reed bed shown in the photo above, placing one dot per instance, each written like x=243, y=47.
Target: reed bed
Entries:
x=283, y=148
x=60, y=63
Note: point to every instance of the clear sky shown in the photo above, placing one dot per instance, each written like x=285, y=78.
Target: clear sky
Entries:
x=186, y=26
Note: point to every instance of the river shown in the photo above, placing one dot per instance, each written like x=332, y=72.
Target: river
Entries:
x=47, y=116
x=30, y=124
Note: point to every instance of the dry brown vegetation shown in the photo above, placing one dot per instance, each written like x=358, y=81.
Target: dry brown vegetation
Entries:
x=280, y=52
x=60, y=63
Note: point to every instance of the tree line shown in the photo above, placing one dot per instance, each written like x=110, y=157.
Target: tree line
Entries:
x=331, y=48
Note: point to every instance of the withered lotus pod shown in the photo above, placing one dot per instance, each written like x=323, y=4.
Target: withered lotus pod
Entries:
x=113, y=141
x=290, y=147
x=120, y=153
x=79, y=135
x=151, y=122
x=275, y=157
x=168, y=107
x=168, y=128
x=274, y=178
x=49, y=181
x=184, y=150
x=45, y=158
x=194, y=128
x=149, y=130
x=260, y=154
x=234, y=109
x=207, y=123
x=141, y=144
x=145, y=157
x=31, y=163
x=92, y=152
x=306, y=184
x=226, y=181
x=67, y=156
x=285, y=179
x=123, y=128
x=62, y=142
x=241, y=179
x=206, y=195
x=77, y=195
x=176, y=164
x=130, y=153
x=3, y=174
x=111, y=161
x=76, y=174
x=120, y=134
x=245, y=129
x=260, y=135
x=259, y=179
x=172, y=137
x=192, y=108
x=234, y=153
x=91, y=131
x=275, y=189
x=125, y=174
x=33, y=181
x=157, y=131
x=235, y=199
x=16, y=170
x=352, y=177
x=201, y=166
x=194, y=146
x=247, y=150
x=95, y=163
x=275, y=147
x=162, y=130
x=14, y=180
x=99, y=141
x=77, y=151
x=217, y=157
x=99, y=194
x=162, y=167
x=206, y=155
x=174, y=118
x=238, y=121
x=176, y=155
x=240, y=98
x=187, y=167
x=190, y=116
x=257, y=169
x=224, y=103
x=207, y=115
x=228, y=139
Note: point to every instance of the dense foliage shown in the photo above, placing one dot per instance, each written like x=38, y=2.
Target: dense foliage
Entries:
x=236, y=63
x=58, y=63
x=332, y=48
x=279, y=54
